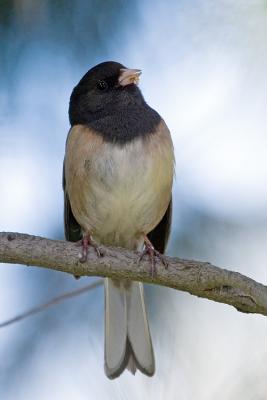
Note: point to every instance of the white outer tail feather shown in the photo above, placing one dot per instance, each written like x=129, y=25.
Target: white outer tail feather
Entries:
x=127, y=336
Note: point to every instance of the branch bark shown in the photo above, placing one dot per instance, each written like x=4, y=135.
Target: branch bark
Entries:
x=198, y=278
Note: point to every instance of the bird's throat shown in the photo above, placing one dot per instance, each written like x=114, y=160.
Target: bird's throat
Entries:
x=127, y=124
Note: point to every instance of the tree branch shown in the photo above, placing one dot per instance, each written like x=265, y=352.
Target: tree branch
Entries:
x=198, y=278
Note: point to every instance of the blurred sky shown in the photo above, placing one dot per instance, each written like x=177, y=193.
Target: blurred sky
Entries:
x=205, y=71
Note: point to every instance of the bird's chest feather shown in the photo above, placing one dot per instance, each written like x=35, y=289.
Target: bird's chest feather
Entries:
x=117, y=191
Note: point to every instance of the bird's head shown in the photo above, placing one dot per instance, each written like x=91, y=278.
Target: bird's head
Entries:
x=103, y=90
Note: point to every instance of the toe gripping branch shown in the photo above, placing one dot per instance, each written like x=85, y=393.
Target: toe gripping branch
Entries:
x=153, y=254
x=86, y=242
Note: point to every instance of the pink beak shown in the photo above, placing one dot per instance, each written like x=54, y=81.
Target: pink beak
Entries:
x=129, y=76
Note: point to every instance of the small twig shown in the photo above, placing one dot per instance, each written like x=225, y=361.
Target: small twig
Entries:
x=52, y=302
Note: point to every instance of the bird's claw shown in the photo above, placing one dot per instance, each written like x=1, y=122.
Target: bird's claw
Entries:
x=152, y=254
x=86, y=242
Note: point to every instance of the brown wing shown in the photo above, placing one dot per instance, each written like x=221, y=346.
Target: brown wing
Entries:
x=160, y=234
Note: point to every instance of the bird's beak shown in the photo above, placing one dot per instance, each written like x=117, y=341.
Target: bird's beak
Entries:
x=128, y=76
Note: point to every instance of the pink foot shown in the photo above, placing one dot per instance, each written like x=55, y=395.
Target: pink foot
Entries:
x=86, y=242
x=152, y=254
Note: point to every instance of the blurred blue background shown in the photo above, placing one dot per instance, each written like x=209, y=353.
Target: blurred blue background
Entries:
x=205, y=70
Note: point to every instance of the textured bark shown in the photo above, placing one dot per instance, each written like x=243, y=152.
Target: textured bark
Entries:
x=198, y=278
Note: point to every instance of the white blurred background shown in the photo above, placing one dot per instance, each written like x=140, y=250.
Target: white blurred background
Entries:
x=205, y=71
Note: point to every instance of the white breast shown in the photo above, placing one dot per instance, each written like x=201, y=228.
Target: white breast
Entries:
x=130, y=192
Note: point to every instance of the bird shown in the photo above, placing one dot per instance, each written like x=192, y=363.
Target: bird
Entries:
x=117, y=180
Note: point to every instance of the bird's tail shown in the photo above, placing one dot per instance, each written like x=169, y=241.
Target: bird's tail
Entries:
x=127, y=337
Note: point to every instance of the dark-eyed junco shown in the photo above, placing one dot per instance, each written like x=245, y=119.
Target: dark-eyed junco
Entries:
x=117, y=179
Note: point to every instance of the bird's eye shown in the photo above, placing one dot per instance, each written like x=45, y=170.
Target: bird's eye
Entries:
x=102, y=85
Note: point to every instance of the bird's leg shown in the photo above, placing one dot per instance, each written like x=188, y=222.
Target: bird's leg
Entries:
x=152, y=254
x=86, y=242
